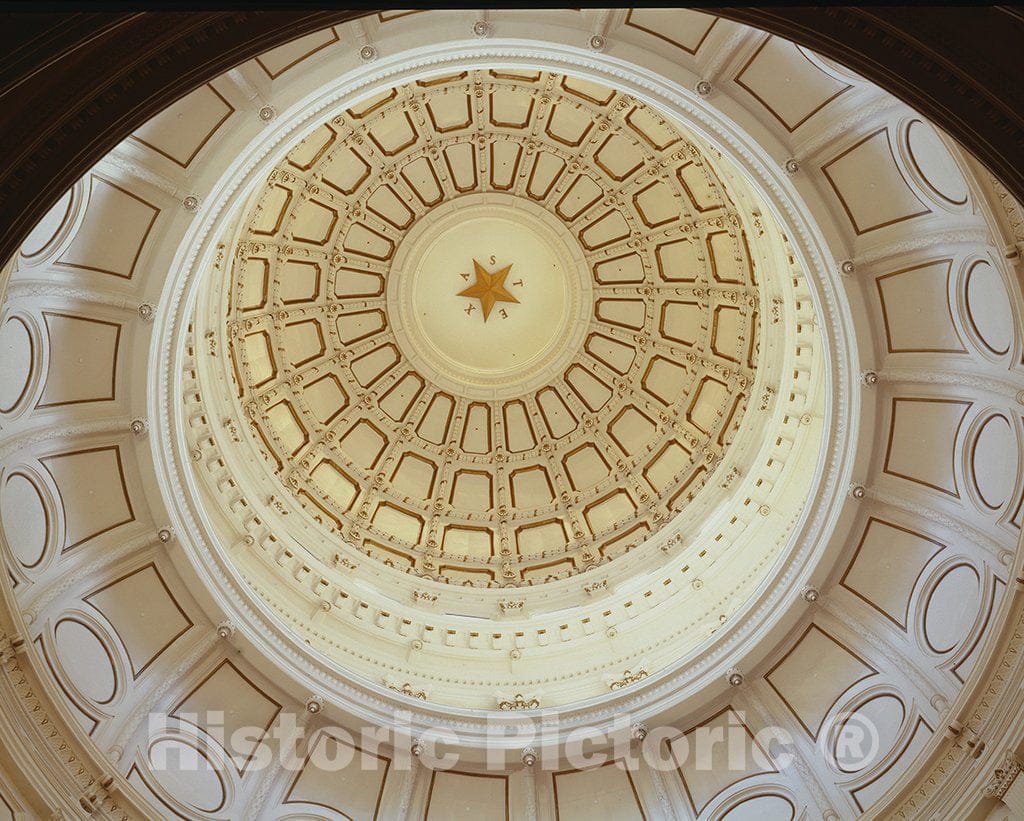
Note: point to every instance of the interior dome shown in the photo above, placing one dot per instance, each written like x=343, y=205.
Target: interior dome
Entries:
x=384, y=401
x=441, y=377
x=482, y=442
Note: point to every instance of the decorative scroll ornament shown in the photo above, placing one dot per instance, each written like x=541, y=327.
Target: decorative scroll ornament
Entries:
x=518, y=702
x=1003, y=777
x=405, y=688
x=628, y=677
x=424, y=597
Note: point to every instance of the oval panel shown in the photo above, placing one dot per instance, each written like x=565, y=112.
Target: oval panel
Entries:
x=25, y=520
x=994, y=461
x=187, y=774
x=868, y=733
x=47, y=228
x=935, y=165
x=988, y=307
x=951, y=608
x=762, y=808
x=85, y=660
x=17, y=355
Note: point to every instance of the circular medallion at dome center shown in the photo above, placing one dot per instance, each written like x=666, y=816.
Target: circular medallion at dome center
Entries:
x=489, y=296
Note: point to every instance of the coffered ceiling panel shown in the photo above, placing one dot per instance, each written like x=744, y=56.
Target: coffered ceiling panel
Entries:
x=866, y=795
x=916, y=309
x=683, y=28
x=17, y=362
x=708, y=772
x=934, y=164
x=82, y=355
x=181, y=131
x=788, y=83
x=989, y=312
x=917, y=426
x=224, y=702
x=870, y=186
x=92, y=490
x=278, y=60
x=604, y=792
x=97, y=246
x=467, y=796
x=887, y=566
x=340, y=777
x=814, y=674
x=26, y=519
x=144, y=631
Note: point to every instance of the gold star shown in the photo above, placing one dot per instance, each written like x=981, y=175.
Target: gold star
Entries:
x=489, y=288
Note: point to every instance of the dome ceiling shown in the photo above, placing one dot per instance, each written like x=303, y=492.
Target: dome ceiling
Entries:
x=637, y=375
x=492, y=330
x=495, y=327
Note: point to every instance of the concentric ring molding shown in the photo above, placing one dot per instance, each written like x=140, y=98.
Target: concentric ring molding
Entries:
x=371, y=700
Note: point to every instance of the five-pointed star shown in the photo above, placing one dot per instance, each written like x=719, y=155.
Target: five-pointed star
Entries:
x=489, y=288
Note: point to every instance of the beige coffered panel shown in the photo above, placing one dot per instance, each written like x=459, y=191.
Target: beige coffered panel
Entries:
x=932, y=162
x=93, y=493
x=18, y=361
x=870, y=186
x=788, y=83
x=706, y=770
x=341, y=777
x=143, y=613
x=993, y=460
x=278, y=60
x=229, y=698
x=467, y=796
x=603, y=792
x=867, y=794
x=989, y=310
x=916, y=309
x=97, y=246
x=682, y=28
x=887, y=565
x=40, y=242
x=82, y=357
x=922, y=440
x=813, y=675
x=181, y=131
x=180, y=778
x=27, y=522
